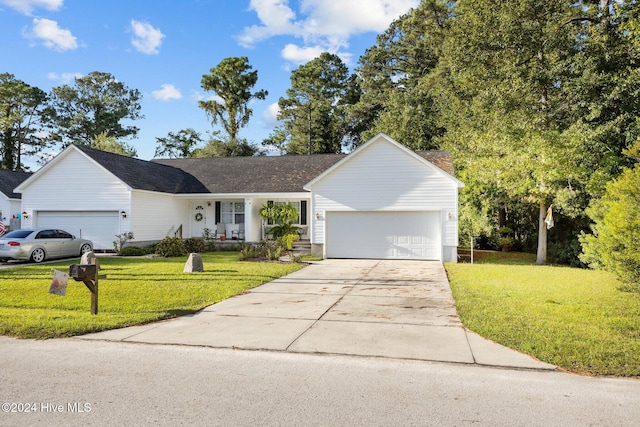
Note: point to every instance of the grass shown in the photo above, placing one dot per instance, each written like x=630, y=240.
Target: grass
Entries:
x=136, y=291
x=579, y=320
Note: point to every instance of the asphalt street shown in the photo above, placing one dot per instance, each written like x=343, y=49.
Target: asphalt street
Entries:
x=78, y=382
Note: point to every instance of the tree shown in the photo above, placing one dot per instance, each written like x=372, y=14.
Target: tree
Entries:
x=217, y=147
x=315, y=109
x=21, y=112
x=97, y=103
x=397, y=98
x=616, y=229
x=232, y=82
x=112, y=145
x=508, y=69
x=181, y=144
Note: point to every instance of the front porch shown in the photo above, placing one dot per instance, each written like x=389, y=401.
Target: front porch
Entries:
x=238, y=219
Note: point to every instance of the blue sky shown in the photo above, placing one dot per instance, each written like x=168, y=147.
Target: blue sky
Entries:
x=163, y=47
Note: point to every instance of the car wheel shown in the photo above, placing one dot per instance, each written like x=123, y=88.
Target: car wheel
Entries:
x=38, y=255
x=85, y=248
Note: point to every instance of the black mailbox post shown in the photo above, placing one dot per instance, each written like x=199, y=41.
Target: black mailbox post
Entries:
x=88, y=274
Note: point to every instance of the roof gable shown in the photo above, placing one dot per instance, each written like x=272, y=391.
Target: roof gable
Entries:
x=439, y=161
x=135, y=173
x=10, y=180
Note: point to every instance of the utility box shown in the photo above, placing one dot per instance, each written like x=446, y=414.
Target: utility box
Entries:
x=82, y=272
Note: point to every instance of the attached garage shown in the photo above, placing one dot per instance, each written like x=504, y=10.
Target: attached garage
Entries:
x=383, y=235
x=100, y=227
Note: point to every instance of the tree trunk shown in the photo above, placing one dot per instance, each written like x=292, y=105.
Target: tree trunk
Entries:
x=542, y=236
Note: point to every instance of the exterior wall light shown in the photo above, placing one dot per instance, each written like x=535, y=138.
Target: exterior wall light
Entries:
x=123, y=214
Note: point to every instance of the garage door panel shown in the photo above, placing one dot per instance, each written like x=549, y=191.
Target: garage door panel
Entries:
x=100, y=227
x=386, y=235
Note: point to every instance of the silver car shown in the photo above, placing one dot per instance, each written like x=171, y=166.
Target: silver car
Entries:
x=41, y=244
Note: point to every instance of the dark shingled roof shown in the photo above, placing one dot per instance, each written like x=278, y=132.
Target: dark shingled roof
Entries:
x=145, y=175
x=272, y=174
x=9, y=180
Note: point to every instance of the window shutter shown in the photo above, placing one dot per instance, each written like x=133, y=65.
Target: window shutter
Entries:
x=303, y=212
x=218, y=212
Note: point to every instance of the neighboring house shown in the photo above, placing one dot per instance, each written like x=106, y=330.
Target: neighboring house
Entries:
x=381, y=201
x=10, y=203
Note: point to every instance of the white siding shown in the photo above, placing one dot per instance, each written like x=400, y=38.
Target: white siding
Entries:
x=383, y=177
x=75, y=183
x=157, y=215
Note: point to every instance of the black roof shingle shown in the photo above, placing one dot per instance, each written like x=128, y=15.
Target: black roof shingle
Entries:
x=271, y=174
x=9, y=180
x=229, y=175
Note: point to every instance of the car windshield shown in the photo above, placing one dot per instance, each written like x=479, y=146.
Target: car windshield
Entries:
x=17, y=234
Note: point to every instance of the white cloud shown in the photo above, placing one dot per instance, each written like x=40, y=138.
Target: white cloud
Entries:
x=64, y=78
x=201, y=96
x=301, y=55
x=167, y=93
x=270, y=116
x=321, y=24
x=146, y=39
x=26, y=7
x=51, y=35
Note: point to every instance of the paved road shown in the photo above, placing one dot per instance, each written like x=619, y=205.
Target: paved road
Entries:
x=148, y=384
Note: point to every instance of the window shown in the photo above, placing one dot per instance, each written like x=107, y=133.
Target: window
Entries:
x=232, y=212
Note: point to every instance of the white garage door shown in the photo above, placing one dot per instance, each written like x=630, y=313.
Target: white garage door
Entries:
x=383, y=235
x=100, y=227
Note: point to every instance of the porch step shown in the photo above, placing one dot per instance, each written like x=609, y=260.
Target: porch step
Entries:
x=301, y=247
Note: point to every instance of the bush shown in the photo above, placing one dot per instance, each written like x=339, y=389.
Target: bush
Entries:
x=135, y=251
x=272, y=250
x=288, y=239
x=194, y=245
x=171, y=247
x=613, y=245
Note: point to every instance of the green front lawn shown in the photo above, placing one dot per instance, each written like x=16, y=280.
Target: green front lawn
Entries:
x=576, y=319
x=136, y=290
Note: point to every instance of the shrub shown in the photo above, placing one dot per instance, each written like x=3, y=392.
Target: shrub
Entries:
x=272, y=250
x=288, y=239
x=171, y=247
x=122, y=240
x=194, y=245
x=135, y=251
x=613, y=245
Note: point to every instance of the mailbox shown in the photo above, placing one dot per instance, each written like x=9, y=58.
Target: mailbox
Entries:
x=82, y=272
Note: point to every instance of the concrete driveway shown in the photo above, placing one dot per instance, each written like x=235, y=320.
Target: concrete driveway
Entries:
x=380, y=308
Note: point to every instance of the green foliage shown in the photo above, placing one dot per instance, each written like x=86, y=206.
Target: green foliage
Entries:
x=232, y=81
x=283, y=216
x=226, y=148
x=178, y=145
x=96, y=104
x=170, y=247
x=22, y=108
x=395, y=79
x=315, y=108
x=288, y=239
x=194, y=245
x=614, y=244
x=110, y=144
x=271, y=250
x=136, y=291
x=136, y=251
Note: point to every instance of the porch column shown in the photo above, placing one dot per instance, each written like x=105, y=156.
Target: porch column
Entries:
x=249, y=222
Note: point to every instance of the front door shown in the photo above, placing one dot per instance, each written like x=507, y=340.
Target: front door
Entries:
x=201, y=217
